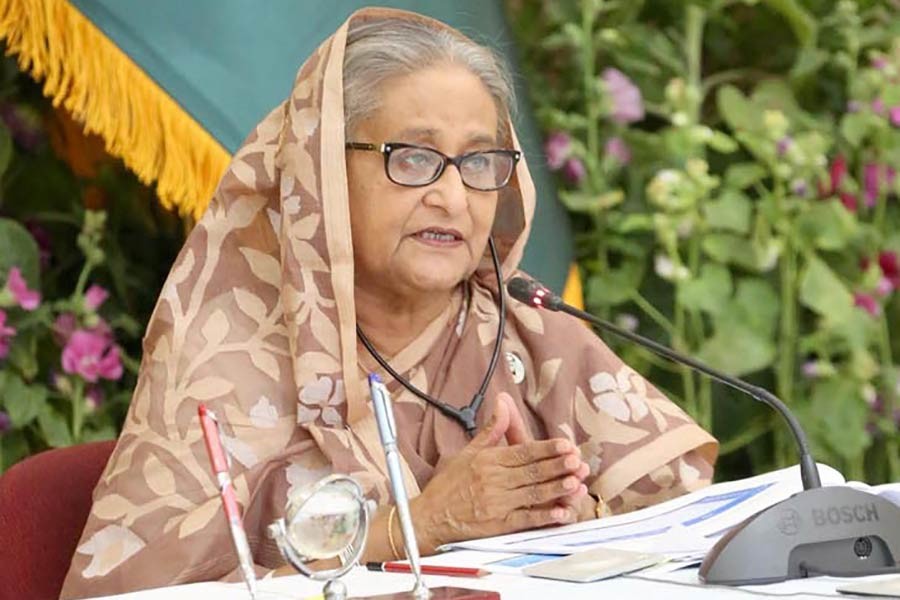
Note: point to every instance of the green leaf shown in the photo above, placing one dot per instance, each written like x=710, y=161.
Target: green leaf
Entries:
x=822, y=291
x=23, y=403
x=18, y=249
x=709, y=293
x=631, y=223
x=827, y=226
x=756, y=305
x=739, y=112
x=580, y=202
x=54, y=428
x=13, y=448
x=855, y=127
x=23, y=355
x=743, y=175
x=809, y=61
x=737, y=349
x=615, y=286
x=801, y=20
x=732, y=212
x=839, y=416
x=721, y=142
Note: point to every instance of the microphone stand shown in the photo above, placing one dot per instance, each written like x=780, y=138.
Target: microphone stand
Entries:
x=836, y=531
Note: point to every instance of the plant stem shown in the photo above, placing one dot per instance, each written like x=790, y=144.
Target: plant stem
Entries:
x=755, y=429
x=695, y=19
x=588, y=74
x=77, y=409
x=651, y=311
x=787, y=346
x=83, y=278
x=889, y=381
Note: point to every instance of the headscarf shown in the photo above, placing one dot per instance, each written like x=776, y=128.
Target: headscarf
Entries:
x=257, y=320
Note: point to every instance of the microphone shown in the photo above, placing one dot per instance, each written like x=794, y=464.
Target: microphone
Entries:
x=837, y=531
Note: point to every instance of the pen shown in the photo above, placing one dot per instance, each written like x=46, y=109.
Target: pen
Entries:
x=387, y=430
x=210, y=426
x=396, y=567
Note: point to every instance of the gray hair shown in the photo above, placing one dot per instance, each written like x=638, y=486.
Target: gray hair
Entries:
x=380, y=49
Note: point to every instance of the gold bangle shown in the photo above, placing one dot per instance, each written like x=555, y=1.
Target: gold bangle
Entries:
x=601, y=509
x=391, y=533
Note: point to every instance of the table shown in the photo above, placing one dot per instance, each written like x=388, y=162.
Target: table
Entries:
x=671, y=586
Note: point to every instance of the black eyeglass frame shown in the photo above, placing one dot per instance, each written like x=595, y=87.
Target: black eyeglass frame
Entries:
x=388, y=147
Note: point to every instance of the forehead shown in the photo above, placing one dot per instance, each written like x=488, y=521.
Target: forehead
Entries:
x=444, y=103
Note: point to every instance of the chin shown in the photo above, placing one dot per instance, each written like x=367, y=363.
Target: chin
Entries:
x=432, y=281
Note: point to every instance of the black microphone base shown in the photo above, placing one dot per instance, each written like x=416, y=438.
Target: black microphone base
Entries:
x=837, y=531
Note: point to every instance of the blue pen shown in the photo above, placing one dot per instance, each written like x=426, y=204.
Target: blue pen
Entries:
x=384, y=417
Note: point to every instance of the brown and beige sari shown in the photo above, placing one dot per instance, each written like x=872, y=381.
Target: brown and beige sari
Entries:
x=257, y=320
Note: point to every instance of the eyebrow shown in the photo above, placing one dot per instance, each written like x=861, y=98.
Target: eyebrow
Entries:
x=430, y=133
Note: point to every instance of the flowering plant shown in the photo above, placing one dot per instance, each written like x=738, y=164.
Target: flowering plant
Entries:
x=74, y=289
x=730, y=170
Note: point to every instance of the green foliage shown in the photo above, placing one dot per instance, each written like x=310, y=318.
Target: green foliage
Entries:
x=69, y=255
x=756, y=222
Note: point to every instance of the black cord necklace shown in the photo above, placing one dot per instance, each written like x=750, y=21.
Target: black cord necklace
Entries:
x=464, y=416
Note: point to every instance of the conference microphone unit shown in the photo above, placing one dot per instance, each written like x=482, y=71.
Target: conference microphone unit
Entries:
x=837, y=531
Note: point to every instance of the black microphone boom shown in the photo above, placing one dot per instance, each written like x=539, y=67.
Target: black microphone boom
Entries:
x=820, y=531
x=531, y=292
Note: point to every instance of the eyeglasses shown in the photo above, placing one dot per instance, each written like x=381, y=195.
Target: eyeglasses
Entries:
x=418, y=166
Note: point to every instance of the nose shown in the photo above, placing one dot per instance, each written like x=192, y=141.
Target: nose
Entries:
x=448, y=192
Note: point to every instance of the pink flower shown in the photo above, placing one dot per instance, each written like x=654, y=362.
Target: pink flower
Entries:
x=879, y=62
x=894, y=116
x=67, y=323
x=849, y=201
x=6, y=335
x=94, y=297
x=5, y=422
x=872, y=183
x=93, y=398
x=15, y=283
x=784, y=145
x=838, y=172
x=890, y=267
x=854, y=106
x=557, y=149
x=867, y=303
x=885, y=287
x=878, y=107
x=574, y=171
x=618, y=150
x=91, y=356
x=627, y=105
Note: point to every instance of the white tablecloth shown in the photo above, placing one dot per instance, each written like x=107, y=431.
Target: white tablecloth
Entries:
x=671, y=586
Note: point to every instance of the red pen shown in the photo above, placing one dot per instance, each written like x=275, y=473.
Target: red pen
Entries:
x=397, y=567
x=210, y=426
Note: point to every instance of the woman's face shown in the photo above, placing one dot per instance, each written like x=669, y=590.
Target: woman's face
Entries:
x=396, y=249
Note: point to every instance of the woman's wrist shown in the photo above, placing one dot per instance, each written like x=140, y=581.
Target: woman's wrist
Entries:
x=426, y=537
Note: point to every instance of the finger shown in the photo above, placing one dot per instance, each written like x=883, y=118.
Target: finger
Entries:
x=524, y=454
x=532, y=518
x=541, y=471
x=517, y=433
x=542, y=493
x=493, y=431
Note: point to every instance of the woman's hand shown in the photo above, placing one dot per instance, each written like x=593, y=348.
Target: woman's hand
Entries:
x=488, y=489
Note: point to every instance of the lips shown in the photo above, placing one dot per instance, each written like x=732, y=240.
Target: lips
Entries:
x=439, y=235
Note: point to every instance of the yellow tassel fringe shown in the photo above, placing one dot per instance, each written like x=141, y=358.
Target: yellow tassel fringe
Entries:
x=87, y=74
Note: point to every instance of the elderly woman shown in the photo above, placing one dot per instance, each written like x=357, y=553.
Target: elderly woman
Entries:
x=366, y=226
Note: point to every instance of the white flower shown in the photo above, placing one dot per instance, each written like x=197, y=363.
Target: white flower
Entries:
x=623, y=397
x=263, y=414
x=109, y=548
x=322, y=397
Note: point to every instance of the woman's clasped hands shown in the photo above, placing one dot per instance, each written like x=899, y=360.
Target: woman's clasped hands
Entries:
x=491, y=489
